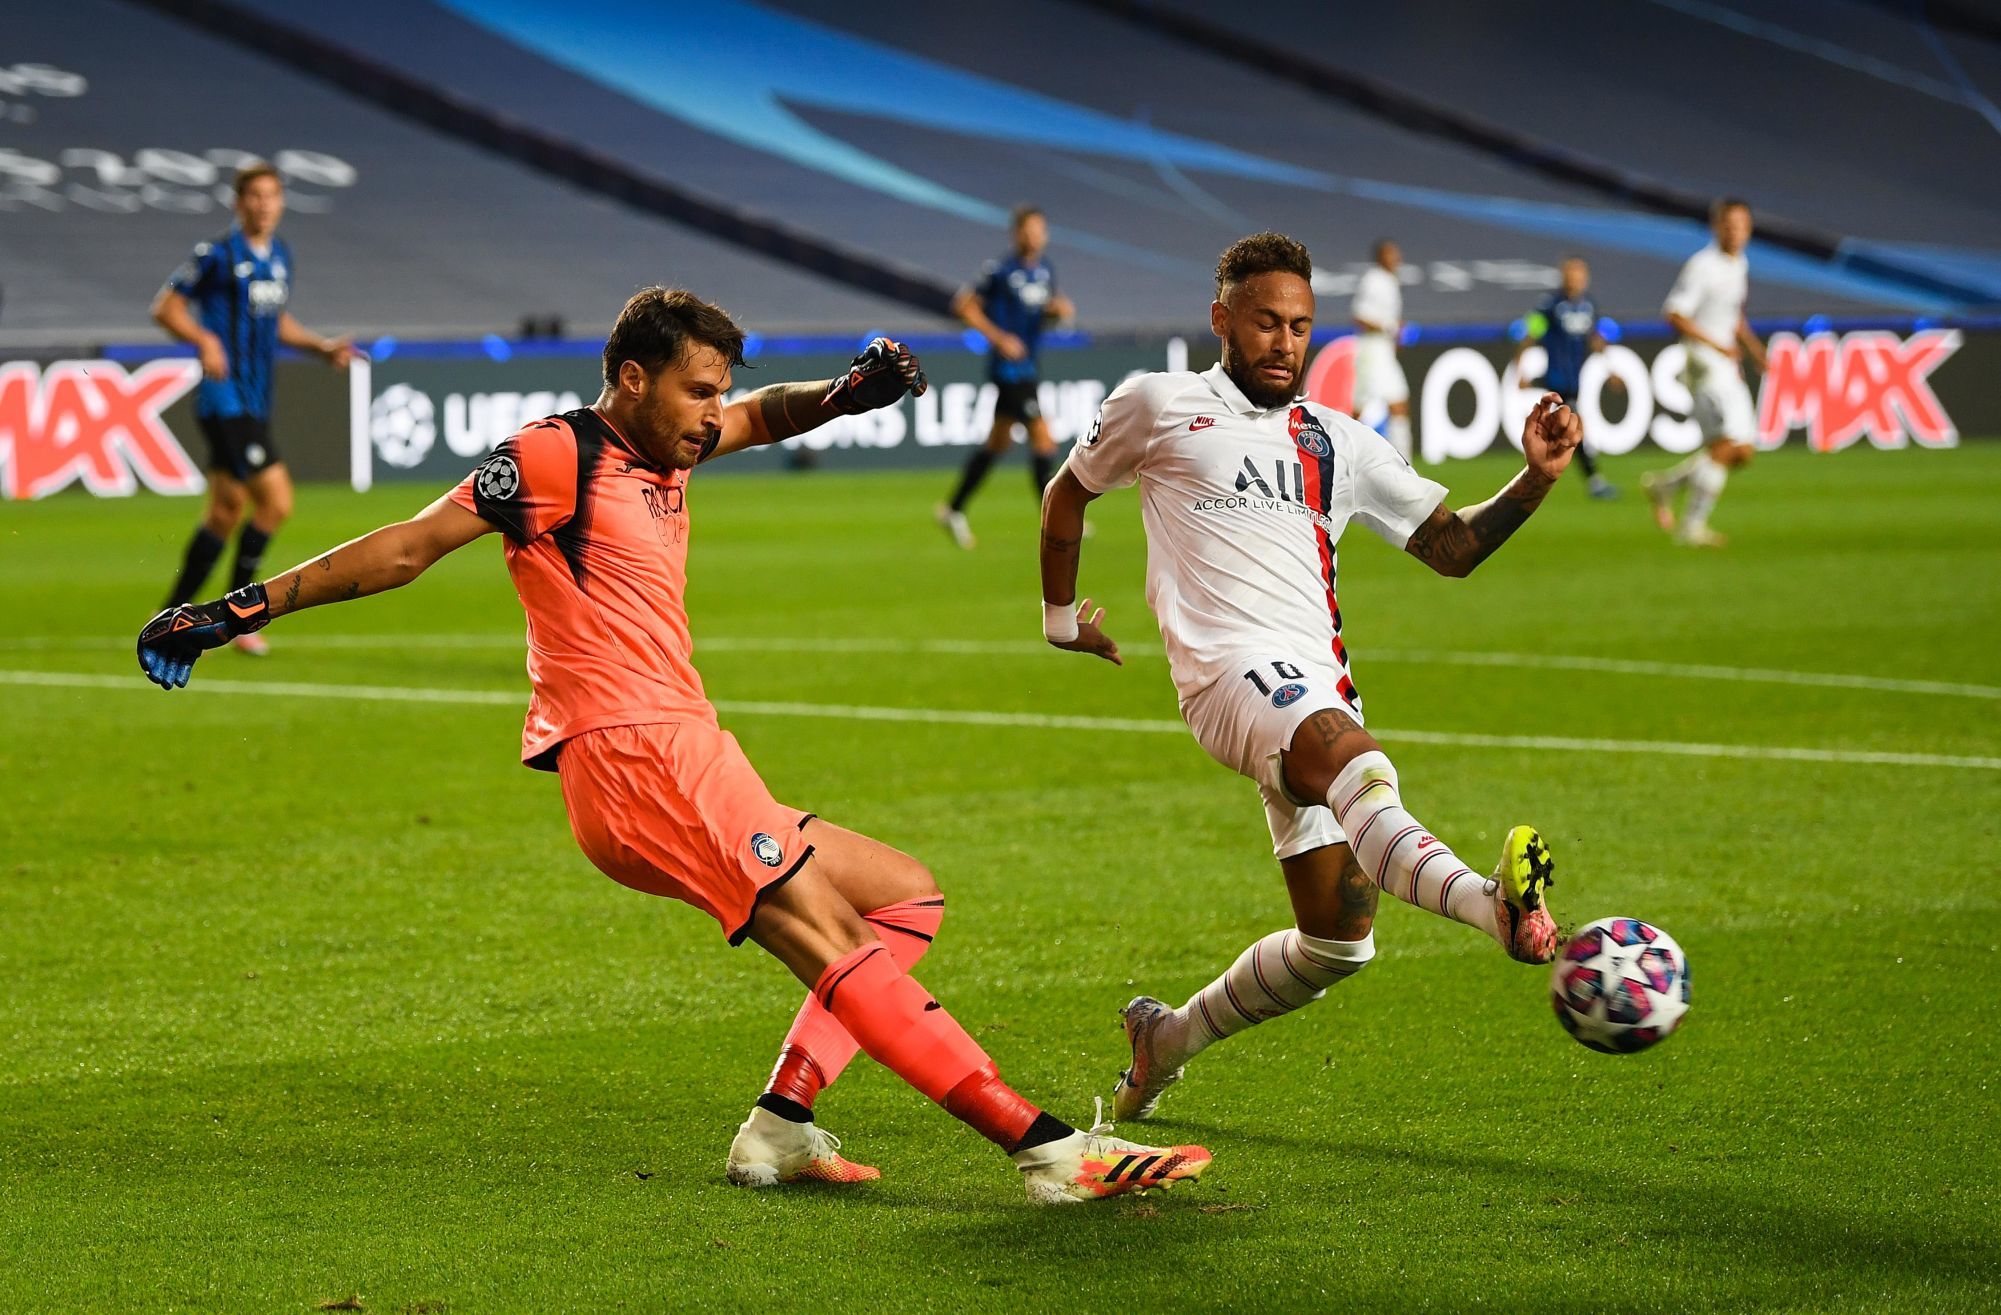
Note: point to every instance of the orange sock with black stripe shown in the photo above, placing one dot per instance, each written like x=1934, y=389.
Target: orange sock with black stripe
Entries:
x=818, y=1048
x=902, y=1028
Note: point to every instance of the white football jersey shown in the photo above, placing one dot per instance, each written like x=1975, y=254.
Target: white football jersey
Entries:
x=1711, y=291
x=1243, y=507
x=1379, y=300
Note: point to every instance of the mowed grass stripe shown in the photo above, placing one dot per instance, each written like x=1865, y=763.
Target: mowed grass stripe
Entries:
x=1035, y=648
x=1029, y=720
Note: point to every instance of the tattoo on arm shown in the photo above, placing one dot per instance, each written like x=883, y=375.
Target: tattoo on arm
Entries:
x=1453, y=543
x=1056, y=543
x=352, y=590
x=789, y=409
x=292, y=590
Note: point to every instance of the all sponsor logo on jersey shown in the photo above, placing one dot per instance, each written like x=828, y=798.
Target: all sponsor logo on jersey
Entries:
x=1287, y=695
x=769, y=852
x=1199, y=422
x=94, y=423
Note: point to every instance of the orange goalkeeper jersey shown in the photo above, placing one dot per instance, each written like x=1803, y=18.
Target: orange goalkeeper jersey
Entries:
x=597, y=544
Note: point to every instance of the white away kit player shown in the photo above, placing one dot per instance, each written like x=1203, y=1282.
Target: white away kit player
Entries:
x=1377, y=312
x=1706, y=308
x=1245, y=491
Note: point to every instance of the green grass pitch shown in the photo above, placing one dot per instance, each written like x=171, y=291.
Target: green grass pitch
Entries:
x=309, y=997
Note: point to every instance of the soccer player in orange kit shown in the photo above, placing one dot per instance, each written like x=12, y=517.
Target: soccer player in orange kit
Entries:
x=593, y=504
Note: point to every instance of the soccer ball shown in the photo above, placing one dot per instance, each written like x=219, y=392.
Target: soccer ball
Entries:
x=1620, y=985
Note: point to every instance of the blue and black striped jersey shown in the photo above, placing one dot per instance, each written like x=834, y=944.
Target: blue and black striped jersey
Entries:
x=238, y=295
x=1015, y=296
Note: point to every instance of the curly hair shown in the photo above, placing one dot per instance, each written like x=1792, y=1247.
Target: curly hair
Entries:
x=1261, y=253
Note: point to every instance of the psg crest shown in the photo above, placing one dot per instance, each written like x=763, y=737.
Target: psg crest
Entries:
x=1307, y=433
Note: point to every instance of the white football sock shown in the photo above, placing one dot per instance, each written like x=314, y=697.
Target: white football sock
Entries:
x=1705, y=487
x=1399, y=854
x=1276, y=975
x=1400, y=435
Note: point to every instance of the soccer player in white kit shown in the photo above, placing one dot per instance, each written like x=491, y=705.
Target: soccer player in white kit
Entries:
x=1378, y=315
x=1706, y=308
x=1244, y=491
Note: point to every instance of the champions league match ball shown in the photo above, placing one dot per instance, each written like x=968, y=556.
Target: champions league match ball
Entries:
x=1620, y=985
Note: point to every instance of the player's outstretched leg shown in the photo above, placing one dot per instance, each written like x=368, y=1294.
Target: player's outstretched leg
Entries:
x=809, y=926
x=1283, y=971
x=1287, y=970
x=1335, y=759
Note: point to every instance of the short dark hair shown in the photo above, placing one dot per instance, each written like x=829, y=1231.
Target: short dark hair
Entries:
x=1722, y=205
x=1382, y=243
x=1022, y=213
x=1261, y=253
x=657, y=325
x=250, y=173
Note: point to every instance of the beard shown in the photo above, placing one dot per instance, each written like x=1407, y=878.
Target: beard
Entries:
x=1258, y=390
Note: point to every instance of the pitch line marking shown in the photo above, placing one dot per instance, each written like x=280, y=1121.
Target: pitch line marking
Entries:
x=1033, y=648
x=1030, y=720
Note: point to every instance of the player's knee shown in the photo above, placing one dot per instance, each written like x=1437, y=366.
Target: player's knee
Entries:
x=1329, y=959
x=222, y=514
x=916, y=880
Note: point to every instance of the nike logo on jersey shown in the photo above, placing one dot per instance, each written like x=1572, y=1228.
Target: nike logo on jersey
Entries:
x=1200, y=422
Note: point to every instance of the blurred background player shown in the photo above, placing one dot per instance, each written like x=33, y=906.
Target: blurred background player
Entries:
x=1706, y=307
x=1378, y=315
x=228, y=302
x=1566, y=324
x=1015, y=297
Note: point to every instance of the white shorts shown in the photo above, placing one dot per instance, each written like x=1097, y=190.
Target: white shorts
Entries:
x=1720, y=403
x=1245, y=719
x=1379, y=377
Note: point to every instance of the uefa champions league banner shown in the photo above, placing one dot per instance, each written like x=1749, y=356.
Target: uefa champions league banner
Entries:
x=121, y=422
x=432, y=419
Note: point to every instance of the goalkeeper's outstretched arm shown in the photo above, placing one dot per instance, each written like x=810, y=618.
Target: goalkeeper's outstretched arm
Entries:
x=387, y=558
x=380, y=560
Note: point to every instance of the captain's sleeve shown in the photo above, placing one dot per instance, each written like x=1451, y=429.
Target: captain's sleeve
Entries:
x=1390, y=498
x=527, y=486
x=1685, y=297
x=1110, y=455
x=197, y=271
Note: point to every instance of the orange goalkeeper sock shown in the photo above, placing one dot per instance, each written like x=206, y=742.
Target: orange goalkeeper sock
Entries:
x=818, y=1048
x=906, y=1031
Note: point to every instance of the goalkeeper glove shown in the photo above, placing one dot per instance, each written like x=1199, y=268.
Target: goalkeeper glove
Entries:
x=878, y=377
x=172, y=640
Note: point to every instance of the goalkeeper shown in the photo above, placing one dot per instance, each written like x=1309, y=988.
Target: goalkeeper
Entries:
x=593, y=504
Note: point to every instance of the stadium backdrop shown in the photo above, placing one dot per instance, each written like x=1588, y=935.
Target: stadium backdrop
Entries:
x=119, y=420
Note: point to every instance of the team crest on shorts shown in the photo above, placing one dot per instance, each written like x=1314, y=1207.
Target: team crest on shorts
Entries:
x=1287, y=695
x=498, y=478
x=769, y=852
x=1307, y=433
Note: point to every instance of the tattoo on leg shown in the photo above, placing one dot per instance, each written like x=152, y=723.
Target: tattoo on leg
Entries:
x=1358, y=896
x=292, y=589
x=353, y=590
x=1330, y=724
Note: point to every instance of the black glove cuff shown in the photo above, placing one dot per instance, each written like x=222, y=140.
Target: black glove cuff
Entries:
x=247, y=610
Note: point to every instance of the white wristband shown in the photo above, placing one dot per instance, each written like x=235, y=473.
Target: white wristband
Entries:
x=1059, y=622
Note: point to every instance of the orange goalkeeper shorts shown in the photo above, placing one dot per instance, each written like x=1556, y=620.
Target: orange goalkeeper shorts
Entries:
x=676, y=809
